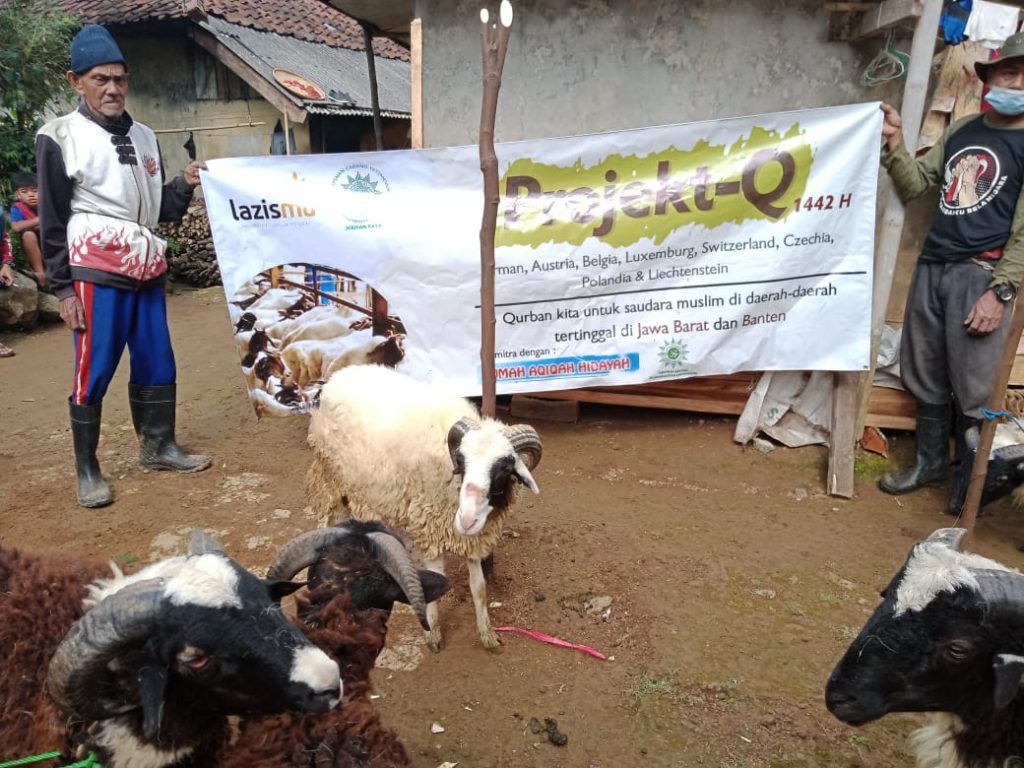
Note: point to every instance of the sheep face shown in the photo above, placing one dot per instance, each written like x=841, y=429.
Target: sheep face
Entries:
x=351, y=567
x=490, y=469
x=189, y=638
x=943, y=640
x=240, y=653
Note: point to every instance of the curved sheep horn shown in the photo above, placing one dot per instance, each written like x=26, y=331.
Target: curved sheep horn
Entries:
x=458, y=431
x=394, y=558
x=302, y=551
x=525, y=440
x=951, y=537
x=1003, y=592
x=201, y=543
x=1010, y=453
x=80, y=662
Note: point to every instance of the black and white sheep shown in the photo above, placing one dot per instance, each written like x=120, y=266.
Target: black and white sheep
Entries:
x=143, y=670
x=389, y=448
x=356, y=572
x=947, y=639
x=1005, y=472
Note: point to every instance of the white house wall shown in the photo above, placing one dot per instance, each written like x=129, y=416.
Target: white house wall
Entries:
x=582, y=66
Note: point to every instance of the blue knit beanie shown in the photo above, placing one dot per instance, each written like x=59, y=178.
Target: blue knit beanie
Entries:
x=93, y=46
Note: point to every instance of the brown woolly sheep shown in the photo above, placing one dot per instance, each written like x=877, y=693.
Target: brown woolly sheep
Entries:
x=356, y=572
x=142, y=670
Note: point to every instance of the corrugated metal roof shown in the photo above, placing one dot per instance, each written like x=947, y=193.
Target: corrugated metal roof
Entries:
x=315, y=108
x=340, y=71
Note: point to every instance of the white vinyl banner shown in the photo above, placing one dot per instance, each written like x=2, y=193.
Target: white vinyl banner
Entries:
x=621, y=258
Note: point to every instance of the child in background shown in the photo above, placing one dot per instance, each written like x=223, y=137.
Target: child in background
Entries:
x=25, y=221
x=6, y=269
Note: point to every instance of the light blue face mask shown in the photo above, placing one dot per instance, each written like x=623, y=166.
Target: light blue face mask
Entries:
x=1006, y=101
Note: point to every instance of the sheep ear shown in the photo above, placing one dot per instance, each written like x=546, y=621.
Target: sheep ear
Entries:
x=1008, y=670
x=281, y=589
x=523, y=473
x=152, y=681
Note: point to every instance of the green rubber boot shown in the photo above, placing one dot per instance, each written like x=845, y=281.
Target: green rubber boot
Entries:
x=153, y=410
x=92, y=489
x=932, y=463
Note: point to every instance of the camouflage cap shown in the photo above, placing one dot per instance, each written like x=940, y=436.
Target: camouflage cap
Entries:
x=1013, y=48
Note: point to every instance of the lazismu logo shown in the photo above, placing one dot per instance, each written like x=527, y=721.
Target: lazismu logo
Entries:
x=266, y=211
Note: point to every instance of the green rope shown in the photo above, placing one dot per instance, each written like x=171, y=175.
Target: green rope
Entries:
x=89, y=762
x=32, y=759
x=889, y=64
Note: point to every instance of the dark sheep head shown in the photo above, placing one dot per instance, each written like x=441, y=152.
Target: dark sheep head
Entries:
x=301, y=306
x=366, y=560
x=267, y=364
x=1004, y=474
x=188, y=639
x=246, y=322
x=946, y=638
x=247, y=302
x=388, y=353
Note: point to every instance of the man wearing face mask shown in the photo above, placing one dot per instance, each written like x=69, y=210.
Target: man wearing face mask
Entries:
x=962, y=291
x=101, y=193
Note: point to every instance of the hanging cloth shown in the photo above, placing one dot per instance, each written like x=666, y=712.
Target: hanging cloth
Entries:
x=991, y=23
x=954, y=20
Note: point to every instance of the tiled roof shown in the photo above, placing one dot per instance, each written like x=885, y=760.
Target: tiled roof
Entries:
x=310, y=20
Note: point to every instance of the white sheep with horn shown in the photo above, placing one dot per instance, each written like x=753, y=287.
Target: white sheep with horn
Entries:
x=389, y=448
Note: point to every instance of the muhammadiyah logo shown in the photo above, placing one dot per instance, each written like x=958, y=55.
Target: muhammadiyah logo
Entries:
x=672, y=355
x=362, y=189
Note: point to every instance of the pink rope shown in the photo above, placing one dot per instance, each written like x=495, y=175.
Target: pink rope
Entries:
x=552, y=640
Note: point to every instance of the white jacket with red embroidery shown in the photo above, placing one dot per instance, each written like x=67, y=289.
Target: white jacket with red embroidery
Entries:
x=101, y=195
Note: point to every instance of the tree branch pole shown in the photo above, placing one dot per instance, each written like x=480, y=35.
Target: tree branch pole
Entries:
x=996, y=402
x=371, y=67
x=494, y=41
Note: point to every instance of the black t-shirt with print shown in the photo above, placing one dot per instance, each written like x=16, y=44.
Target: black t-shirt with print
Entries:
x=984, y=170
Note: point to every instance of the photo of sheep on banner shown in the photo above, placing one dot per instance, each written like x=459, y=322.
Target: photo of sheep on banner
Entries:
x=297, y=324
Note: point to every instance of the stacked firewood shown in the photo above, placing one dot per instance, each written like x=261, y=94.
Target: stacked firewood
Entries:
x=190, y=254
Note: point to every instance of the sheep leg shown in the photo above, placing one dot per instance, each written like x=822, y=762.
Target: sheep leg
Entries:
x=434, y=635
x=478, y=586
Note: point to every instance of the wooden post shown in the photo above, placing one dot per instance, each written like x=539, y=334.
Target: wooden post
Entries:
x=494, y=40
x=381, y=326
x=891, y=229
x=996, y=402
x=371, y=66
x=416, y=78
x=842, y=437
x=287, y=140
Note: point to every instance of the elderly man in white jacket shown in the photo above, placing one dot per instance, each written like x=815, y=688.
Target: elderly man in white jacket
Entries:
x=101, y=196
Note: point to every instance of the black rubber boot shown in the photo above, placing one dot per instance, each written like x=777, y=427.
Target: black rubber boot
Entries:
x=92, y=490
x=932, y=463
x=153, y=415
x=963, y=423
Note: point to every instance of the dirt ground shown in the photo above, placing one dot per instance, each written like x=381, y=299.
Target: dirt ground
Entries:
x=731, y=584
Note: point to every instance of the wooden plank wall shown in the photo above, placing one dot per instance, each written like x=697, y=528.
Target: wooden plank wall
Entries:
x=888, y=408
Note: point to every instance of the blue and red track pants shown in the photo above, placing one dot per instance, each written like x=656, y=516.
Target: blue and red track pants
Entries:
x=115, y=317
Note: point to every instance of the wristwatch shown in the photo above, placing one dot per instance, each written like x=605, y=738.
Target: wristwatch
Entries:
x=1004, y=292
